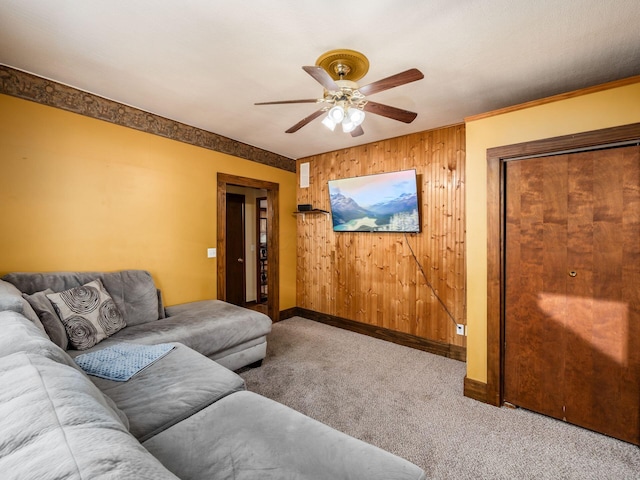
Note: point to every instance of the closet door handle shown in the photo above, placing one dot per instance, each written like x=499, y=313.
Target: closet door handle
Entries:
x=240, y=260
x=573, y=273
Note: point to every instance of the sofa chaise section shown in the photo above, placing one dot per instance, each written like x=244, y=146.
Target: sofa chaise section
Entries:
x=233, y=336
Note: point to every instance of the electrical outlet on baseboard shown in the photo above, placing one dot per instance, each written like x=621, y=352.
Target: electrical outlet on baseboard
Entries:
x=460, y=330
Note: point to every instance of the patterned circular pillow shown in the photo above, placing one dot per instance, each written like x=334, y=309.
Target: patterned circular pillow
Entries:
x=88, y=313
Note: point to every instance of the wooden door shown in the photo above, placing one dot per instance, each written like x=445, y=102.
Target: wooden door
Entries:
x=235, y=245
x=572, y=289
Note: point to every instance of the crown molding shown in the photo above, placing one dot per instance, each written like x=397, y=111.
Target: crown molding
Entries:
x=47, y=92
x=556, y=98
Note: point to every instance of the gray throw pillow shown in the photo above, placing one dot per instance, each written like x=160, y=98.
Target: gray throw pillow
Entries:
x=88, y=313
x=48, y=317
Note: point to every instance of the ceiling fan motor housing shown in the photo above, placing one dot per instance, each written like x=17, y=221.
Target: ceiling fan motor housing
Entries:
x=348, y=95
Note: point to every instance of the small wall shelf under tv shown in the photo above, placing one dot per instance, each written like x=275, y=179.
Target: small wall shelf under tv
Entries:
x=310, y=212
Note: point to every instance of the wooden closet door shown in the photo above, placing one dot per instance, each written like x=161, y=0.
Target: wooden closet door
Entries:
x=572, y=283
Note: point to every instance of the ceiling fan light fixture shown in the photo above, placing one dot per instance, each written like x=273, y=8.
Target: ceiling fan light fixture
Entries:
x=352, y=120
x=355, y=115
x=329, y=123
x=336, y=114
x=347, y=126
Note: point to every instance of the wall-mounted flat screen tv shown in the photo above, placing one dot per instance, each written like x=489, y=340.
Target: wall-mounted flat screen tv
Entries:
x=385, y=202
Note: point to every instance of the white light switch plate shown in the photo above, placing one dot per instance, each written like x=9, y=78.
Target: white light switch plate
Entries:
x=211, y=253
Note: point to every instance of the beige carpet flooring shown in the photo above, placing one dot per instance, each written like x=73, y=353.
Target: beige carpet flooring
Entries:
x=410, y=403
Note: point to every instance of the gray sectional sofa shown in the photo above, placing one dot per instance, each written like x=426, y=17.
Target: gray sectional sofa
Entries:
x=184, y=416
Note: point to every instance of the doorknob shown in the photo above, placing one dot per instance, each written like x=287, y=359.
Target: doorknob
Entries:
x=573, y=273
x=241, y=260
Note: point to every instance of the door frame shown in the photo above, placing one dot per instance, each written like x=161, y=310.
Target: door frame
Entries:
x=273, y=244
x=496, y=177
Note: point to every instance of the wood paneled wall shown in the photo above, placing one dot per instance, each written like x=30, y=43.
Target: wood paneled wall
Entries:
x=372, y=277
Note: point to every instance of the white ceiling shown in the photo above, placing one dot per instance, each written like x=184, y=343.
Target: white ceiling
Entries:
x=205, y=62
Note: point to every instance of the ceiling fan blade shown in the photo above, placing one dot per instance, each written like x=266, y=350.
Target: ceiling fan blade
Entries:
x=393, y=81
x=322, y=77
x=305, y=120
x=281, y=102
x=357, y=131
x=390, y=112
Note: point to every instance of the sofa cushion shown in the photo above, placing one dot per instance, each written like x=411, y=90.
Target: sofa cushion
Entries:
x=11, y=299
x=247, y=436
x=168, y=391
x=20, y=335
x=208, y=326
x=54, y=424
x=133, y=291
x=52, y=324
x=88, y=313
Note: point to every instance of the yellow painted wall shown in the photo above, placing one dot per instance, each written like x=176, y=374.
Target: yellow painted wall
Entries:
x=82, y=194
x=603, y=109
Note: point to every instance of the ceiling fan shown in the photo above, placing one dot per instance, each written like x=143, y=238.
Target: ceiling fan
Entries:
x=343, y=100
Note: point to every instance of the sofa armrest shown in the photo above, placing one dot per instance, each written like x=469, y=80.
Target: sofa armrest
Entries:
x=54, y=423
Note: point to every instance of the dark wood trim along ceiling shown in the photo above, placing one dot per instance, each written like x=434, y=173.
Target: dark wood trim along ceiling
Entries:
x=40, y=90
